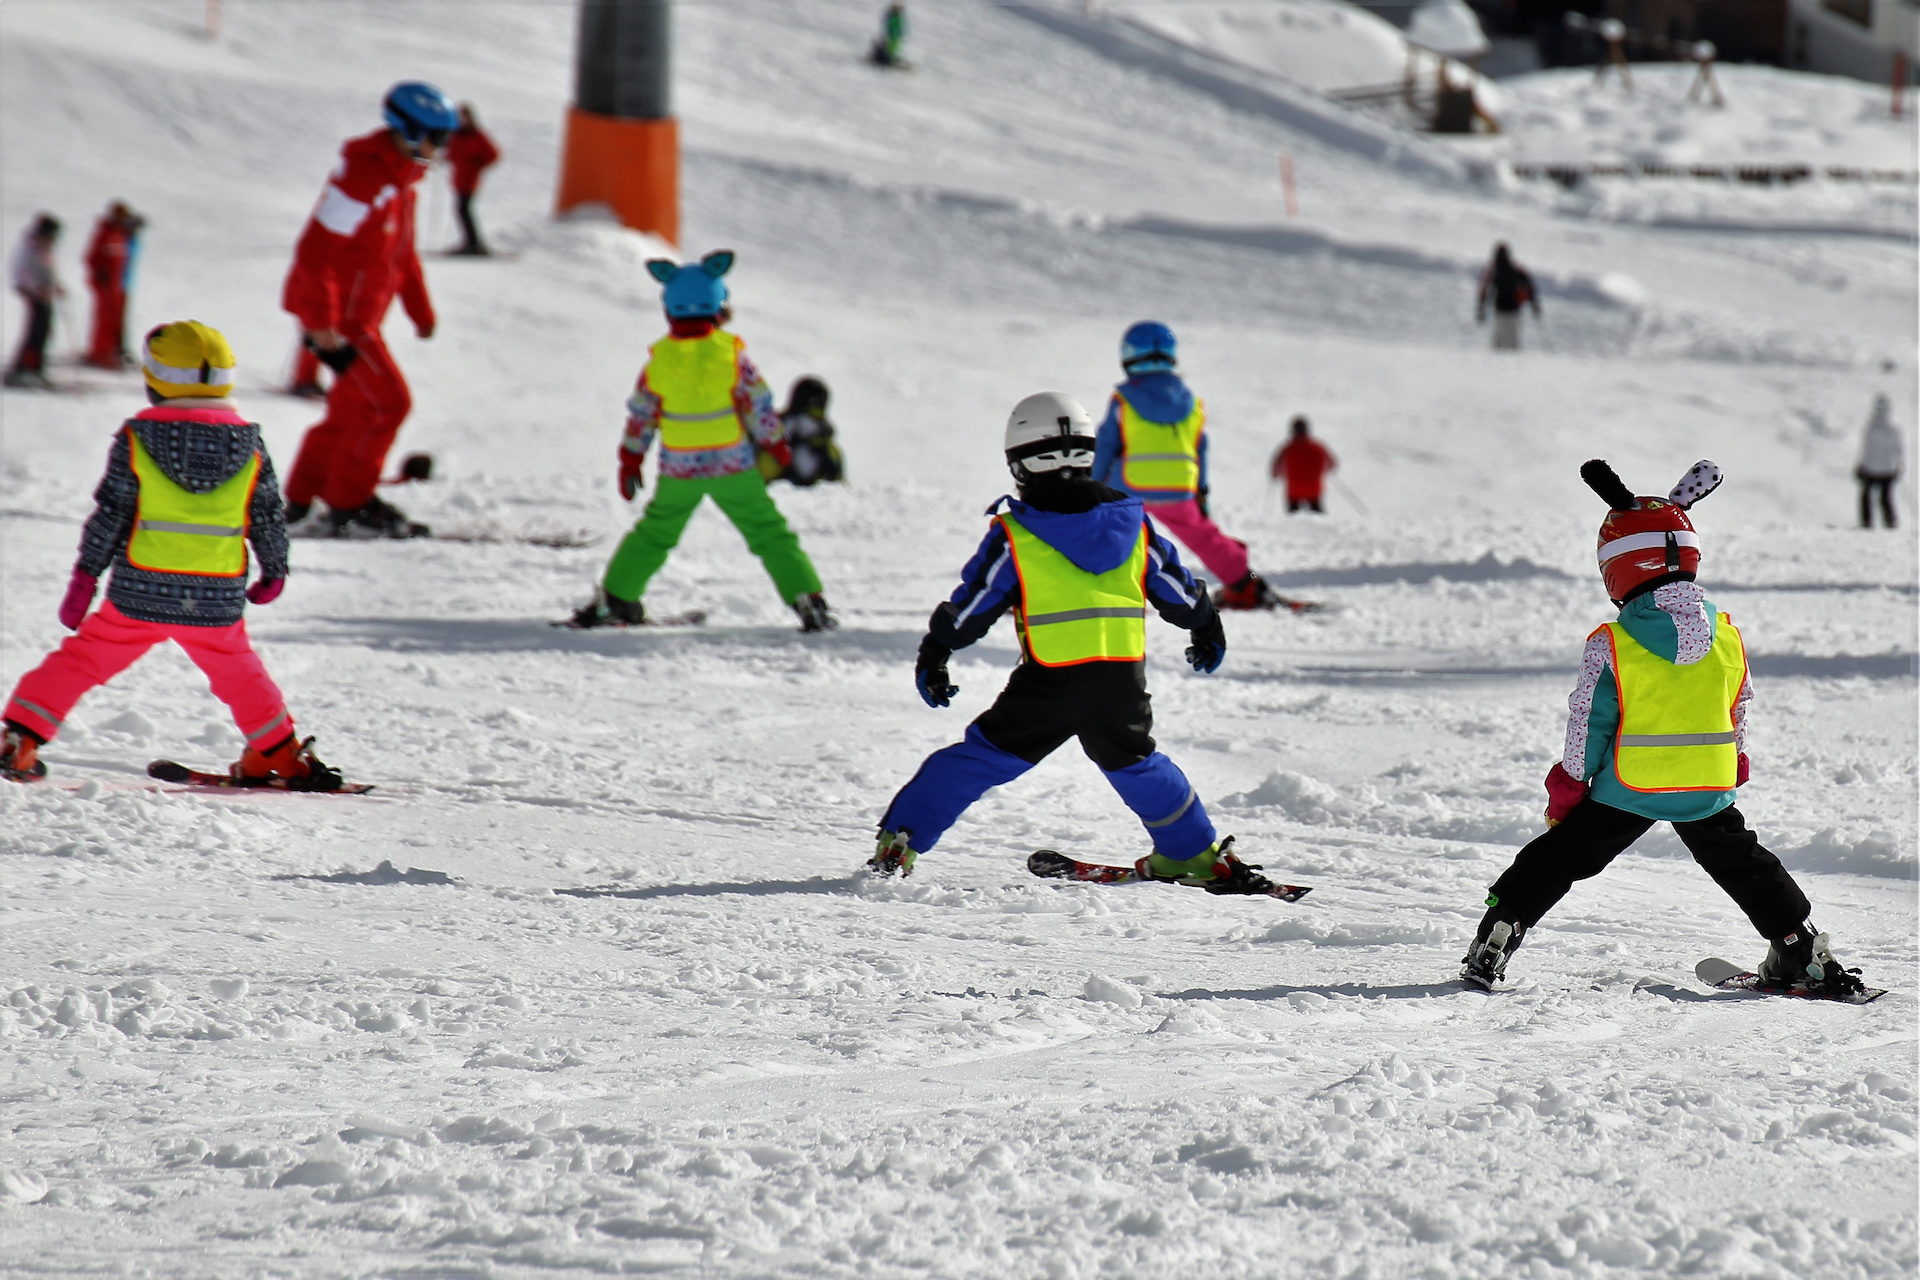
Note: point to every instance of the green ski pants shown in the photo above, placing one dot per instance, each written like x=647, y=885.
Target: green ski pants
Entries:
x=743, y=497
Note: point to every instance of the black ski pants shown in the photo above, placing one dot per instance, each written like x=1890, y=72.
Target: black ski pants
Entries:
x=1885, y=485
x=1104, y=704
x=1595, y=834
x=463, y=206
x=32, y=356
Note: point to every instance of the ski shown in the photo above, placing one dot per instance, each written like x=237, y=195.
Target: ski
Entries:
x=1725, y=976
x=168, y=771
x=691, y=618
x=1049, y=865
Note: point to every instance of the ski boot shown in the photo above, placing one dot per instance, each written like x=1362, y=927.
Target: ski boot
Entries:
x=1251, y=592
x=814, y=614
x=308, y=391
x=20, y=754
x=608, y=611
x=1218, y=870
x=291, y=759
x=1804, y=959
x=1486, y=960
x=893, y=854
x=381, y=519
x=29, y=379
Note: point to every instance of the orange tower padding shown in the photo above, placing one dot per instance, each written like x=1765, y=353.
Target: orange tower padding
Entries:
x=632, y=166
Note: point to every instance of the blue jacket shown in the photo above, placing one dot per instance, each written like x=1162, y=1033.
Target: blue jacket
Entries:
x=1157, y=397
x=1096, y=541
x=1594, y=706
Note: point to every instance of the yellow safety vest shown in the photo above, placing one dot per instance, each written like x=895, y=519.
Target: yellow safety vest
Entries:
x=1068, y=616
x=1676, y=722
x=694, y=379
x=1159, y=455
x=178, y=531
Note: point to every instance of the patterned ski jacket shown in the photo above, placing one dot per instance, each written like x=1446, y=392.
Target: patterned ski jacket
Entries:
x=1676, y=622
x=1098, y=529
x=752, y=400
x=200, y=445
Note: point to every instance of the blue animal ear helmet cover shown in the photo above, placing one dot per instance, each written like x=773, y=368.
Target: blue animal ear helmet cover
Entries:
x=693, y=289
x=1148, y=347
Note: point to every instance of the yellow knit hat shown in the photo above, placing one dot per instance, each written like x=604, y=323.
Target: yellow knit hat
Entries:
x=187, y=358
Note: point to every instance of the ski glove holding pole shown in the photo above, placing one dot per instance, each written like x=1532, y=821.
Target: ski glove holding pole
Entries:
x=631, y=477
x=73, y=609
x=930, y=674
x=339, y=358
x=1564, y=795
x=1209, y=647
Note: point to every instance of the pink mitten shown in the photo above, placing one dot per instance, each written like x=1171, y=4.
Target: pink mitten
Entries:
x=73, y=609
x=267, y=590
x=1564, y=795
x=1746, y=771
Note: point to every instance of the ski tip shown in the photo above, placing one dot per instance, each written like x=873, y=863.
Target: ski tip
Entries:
x=1292, y=892
x=168, y=771
x=1713, y=971
x=1049, y=865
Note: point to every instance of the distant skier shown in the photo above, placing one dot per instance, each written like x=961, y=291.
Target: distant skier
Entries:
x=710, y=407
x=32, y=274
x=1882, y=457
x=356, y=253
x=1510, y=288
x=1078, y=563
x=1657, y=734
x=1303, y=463
x=1153, y=445
x=470, y=152
x=110, y=260
x=889, y=45
x=809, y=435
x=188, y=487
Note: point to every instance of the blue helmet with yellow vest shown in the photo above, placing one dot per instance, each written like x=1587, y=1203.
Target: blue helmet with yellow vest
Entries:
x=693, y=290
x=1148, y=347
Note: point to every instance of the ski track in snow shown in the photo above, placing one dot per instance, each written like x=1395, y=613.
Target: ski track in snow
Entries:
x=742, y=1059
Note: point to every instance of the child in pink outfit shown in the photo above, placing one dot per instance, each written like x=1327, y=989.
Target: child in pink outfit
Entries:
x=188, y=489
x=1153, y=444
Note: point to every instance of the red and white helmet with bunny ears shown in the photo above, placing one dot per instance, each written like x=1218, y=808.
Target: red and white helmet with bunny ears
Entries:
x=1648, y=542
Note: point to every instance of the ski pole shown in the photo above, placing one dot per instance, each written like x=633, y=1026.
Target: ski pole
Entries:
x=1352, y=497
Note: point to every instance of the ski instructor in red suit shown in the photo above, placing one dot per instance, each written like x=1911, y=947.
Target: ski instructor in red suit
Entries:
x=356, y=253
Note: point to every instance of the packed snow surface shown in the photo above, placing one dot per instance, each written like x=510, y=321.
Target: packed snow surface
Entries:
x=220, y=1055
x=1324, y=44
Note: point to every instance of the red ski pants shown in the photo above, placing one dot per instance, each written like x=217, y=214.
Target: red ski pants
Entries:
x=109, y=642
x=342, y=455
x=109, y=327
x=1225, y=558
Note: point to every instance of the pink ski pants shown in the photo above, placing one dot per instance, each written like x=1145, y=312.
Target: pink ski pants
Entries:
x=109, y=642
x=1225, y=558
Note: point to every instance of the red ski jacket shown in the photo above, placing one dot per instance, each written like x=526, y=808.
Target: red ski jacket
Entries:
x=468, y=152
x=107, y=256
x=357, y=250
x=1303, y=462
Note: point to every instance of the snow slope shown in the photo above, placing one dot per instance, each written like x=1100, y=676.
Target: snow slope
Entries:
x=754, y=1063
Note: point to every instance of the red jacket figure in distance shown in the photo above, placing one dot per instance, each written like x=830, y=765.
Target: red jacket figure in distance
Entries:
x=356, y=253
x=110, y=273
x=469, y=153
x=1303, y=462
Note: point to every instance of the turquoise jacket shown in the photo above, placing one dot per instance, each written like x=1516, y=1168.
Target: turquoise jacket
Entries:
x=1657, y=620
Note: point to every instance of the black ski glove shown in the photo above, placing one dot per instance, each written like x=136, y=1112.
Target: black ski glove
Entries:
x=1209, y=647
x=930, y=674
x=340, y=359
x=1200, y=500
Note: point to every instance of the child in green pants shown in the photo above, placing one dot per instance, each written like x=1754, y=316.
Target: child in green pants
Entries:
x=711, y=408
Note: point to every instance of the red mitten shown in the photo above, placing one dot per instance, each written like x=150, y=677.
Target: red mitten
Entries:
x=1746, y=771
x=781, y=452
x=631, y=478
x=73, y=609
x=266, y=591
x=1564, y=795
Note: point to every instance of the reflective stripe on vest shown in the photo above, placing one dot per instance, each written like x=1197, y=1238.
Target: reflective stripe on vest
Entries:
x=694, y=378
x=1159, y=455
x=1068, y=616
x=1676, y=723
x=179, y=531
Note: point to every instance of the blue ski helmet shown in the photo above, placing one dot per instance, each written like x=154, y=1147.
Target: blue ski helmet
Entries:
x=418, y=110
x=1148, y=347
x=693, y=289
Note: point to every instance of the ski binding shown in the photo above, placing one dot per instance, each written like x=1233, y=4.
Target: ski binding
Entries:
x=1726, y=976
x=1049, y=865
x=168, y=771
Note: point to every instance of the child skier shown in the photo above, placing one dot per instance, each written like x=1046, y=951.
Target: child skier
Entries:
x=710, y=407
x=1153, y=444
x=188, y=486
x=1656, y=734
x=1078, y=563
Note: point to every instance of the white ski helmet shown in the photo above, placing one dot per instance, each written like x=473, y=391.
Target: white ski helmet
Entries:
x=1048, y=431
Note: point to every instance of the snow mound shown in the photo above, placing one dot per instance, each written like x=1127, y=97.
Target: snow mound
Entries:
x=1323, y=44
